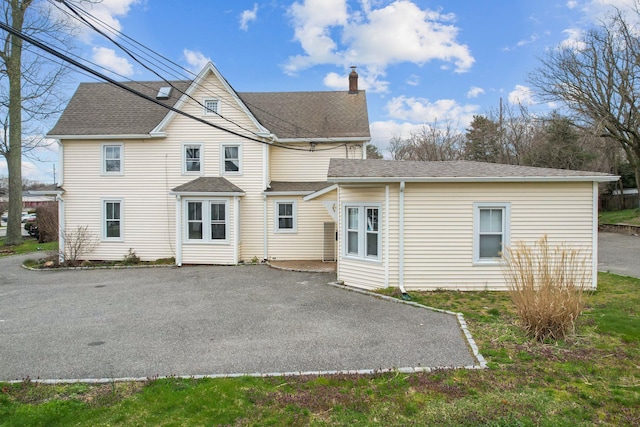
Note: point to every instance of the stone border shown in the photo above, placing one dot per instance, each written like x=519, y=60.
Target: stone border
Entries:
x=298, y=270
x=632, y=230
x=104, y=267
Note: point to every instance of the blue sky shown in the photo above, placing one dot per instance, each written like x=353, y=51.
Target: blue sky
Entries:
x=419, y=60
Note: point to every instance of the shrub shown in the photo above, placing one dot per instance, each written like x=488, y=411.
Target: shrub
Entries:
x=546, y=286
x=47, y=222
x=131, y=258
x=77, y=244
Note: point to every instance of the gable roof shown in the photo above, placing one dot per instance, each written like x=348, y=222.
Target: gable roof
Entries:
x=291, y=186
x=104, y=110
x=208, y=185
x=344, y=170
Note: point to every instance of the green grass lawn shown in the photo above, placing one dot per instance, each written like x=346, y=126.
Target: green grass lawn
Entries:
x=593, y=378
x=29, y=244
x=627, y=216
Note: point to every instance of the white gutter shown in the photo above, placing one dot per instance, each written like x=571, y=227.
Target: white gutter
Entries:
x=287, y=193
x=178, y=231
x=320, y=192
x=61, y=224
x=594, y=238
x=264, y=229
x=386, y=236
x=564, y=178
x=123, y=136
x=60, y=163
x=401, y=240
x=336, y=140
x=206, y=194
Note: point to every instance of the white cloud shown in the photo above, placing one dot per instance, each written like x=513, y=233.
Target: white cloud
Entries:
x=413, y=80
x=474, y=92
x=248, y=16
x=573, y=39
x=521, y=95
x=109, y=59
x=572, y=4
x=331, y=33
x=195, y=60
x=108, y=12
x=421, y=110
x=383, y=131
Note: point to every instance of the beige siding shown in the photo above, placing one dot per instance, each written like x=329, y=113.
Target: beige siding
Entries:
x=438, y=246
x=307, y=242
x=296, y=165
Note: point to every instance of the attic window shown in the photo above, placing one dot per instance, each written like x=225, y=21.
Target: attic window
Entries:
x=164, y=92
x=211, y=107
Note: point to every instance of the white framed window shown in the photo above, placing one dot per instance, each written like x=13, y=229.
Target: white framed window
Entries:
x=231, y=159
x=112, y=220
x=206, y=221
x=490, y=231
x=211, y=107
x=286, y=216
x=192, y=155
x=362, y=237
x=112, y=159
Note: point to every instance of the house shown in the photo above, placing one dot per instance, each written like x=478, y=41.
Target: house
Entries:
x=243, y=177
x=222, y=177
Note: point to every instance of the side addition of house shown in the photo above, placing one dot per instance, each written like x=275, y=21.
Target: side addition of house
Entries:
x=243, y=177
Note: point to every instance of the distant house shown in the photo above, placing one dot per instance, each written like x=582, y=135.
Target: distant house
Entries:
x=288, y=180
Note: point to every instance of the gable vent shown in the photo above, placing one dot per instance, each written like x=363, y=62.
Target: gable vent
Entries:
x=164, y=92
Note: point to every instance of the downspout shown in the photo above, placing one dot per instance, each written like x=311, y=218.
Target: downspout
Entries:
x=236, y=229
x=405, y=295
x=386, y=236
x=264, y=229
x=178, y=232
x=594, y=238
x=61, y=240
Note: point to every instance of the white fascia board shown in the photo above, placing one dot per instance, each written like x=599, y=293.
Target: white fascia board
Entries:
x=336, y=140
x=286, y=193
x=101, y=137
x=45, y=193
x=208, y=68
x=201, y=194
x=369, y=180
x=320, y=192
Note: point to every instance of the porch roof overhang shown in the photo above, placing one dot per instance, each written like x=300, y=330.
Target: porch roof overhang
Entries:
x=292, y=188
x=208, y=186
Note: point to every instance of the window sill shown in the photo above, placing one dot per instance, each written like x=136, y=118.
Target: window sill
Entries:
x=285, y=232
x=489, y=263
x=367, y=260
x=207, y=242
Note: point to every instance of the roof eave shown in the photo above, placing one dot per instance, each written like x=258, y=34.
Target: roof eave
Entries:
x=369, y=180
x=287, y=193
x=335, y=139
x=207, y=193
x=102, y=137
x=319, y=193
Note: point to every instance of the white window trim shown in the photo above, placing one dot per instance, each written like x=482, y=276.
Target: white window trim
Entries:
x=103, y=159
x=104, y=202
x=222, y=159
x=186, y=145
x=506, y=230
x=206, y=222
x=362, y=234
x=205, y=112
x=276, y=217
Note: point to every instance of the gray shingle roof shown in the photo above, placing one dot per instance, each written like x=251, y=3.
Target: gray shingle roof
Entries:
x=393, y=170
x=289, y=186
x=208, y=184
x=104, y=109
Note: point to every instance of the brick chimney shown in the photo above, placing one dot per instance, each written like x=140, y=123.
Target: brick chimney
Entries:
x=353, y=80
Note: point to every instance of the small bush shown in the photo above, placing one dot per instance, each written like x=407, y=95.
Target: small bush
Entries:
x=546, y=285
x=77, y=244
x=131, y=258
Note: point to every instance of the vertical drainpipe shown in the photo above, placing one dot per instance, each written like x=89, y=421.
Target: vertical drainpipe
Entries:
x=60, y=228
x=178, y=232
x=594, y=238
x=236, y=229
x=386, y=236
x=264, y=228
x=401, y=242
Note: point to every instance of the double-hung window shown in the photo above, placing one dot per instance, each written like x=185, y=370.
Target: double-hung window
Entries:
x=112, y=224
x=491, y=231
x=286, y=217
x=362, y=231
x=231, y=157
x=192, y=155
x=206, y=221
x=112, y=159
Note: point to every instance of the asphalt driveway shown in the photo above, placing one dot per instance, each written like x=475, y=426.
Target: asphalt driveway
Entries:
x=207, y=321
x=619, y=254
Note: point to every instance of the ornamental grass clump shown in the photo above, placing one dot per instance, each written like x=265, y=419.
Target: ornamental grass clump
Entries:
x=546, y=286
